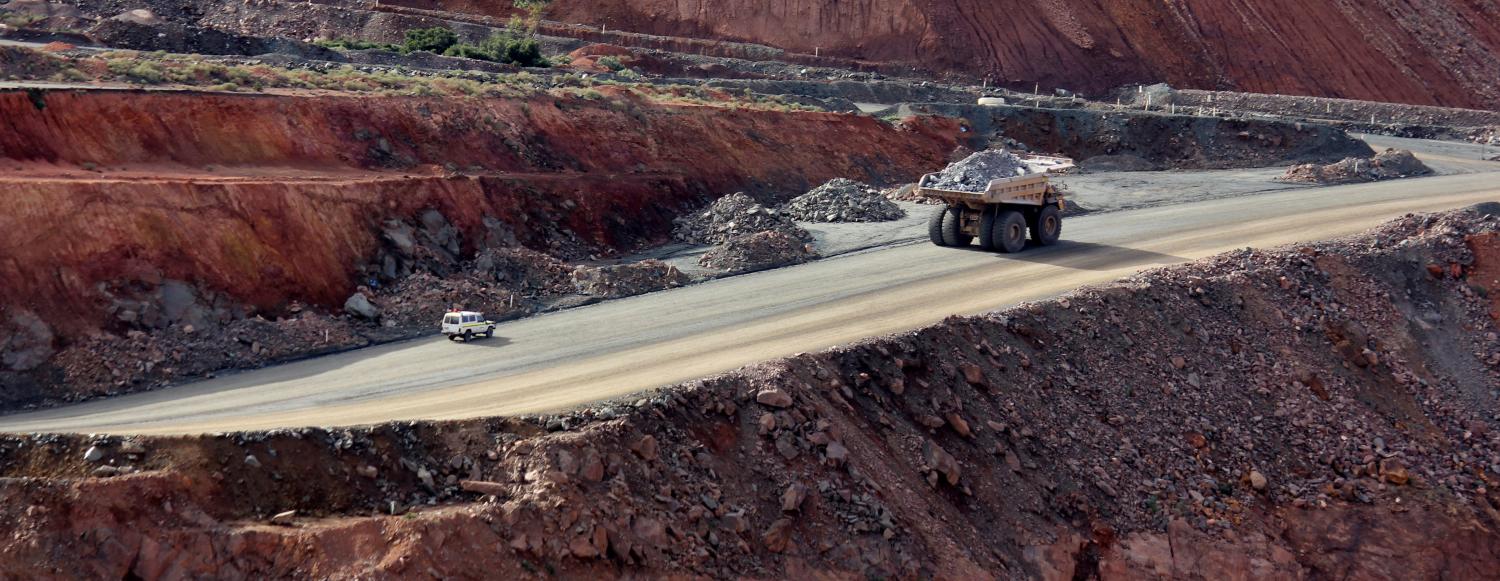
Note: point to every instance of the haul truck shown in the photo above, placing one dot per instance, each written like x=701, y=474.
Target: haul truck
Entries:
x=1001, y=215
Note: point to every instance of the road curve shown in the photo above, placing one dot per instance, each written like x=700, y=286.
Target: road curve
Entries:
x=568, y=358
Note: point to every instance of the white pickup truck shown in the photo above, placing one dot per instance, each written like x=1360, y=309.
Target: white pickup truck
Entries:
x=466, y=324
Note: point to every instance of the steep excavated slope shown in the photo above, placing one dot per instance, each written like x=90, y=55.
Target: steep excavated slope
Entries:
x=269, y=199
x=1429, y=52
x=1321, y=412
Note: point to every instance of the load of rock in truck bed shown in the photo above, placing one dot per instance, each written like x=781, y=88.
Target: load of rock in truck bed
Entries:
x=974, y=173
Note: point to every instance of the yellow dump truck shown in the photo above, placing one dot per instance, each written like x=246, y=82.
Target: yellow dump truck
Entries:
x=1000, y=216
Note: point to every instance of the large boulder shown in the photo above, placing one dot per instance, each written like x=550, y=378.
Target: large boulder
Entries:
x=25, y=341
x=359, y=305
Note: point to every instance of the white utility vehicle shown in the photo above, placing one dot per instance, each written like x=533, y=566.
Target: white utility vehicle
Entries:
x=466, y=324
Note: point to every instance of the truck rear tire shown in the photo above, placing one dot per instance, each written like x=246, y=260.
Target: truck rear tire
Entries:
x=944, y=228
x=468, y=336
x=1046, y=227
x=987, y=222
x=1009, y=232
x=935, y=226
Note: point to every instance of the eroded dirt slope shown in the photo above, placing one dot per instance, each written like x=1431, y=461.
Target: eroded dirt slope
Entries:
x=1324, y=411
x=1430, y=52
x=270, y=199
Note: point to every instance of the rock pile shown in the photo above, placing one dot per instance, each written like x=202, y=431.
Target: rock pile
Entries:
x=110, y=364
x=416, y=304
x=734, y=215
x=629, y=279
x=1388, y=164
x=843, y=200
x=759, y=251
x=908, y=193
x=974, y=173
x=525, y=270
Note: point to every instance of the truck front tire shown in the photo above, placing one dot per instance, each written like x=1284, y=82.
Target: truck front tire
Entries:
x=1008, y=233
x=1046, y=227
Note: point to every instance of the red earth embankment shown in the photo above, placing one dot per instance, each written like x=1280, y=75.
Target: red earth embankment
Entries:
x=1427, y=52
x=267, y=199
x=1310, y=413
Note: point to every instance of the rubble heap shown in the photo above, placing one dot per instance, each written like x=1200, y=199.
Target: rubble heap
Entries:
x=105, y=365
x=974, y=173
x=1388, y=164
x=908, y=193
x=418, y=302
x=733, y=215
x=843, y=200
x=759, y=251
x=629, y=279
x=525, y=270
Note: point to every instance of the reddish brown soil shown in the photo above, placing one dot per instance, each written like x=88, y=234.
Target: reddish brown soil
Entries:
x=1428, y=52
x=1322, y=412
x=269, y=199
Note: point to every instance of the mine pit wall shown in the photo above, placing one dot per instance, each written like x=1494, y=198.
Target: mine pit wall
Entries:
x=265, y=243
x=1362, y=49
x=1161, y=141
x=572, y=177
x=622, y=134
x=1093, y=434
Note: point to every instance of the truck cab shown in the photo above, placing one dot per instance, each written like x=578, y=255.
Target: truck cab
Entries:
x=466, y=325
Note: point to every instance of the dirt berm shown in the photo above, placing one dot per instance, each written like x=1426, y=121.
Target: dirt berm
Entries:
x=1140, y=140
x=1315, y=412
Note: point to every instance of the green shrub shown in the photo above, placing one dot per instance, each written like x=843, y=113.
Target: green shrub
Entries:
x=469, y=51
x=435, y=40
x=520, y=50
x=611, y=62
x=19, y=20
x=356, y=44
x=146, y=72
x=502, y=48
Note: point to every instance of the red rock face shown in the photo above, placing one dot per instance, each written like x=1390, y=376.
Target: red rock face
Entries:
x=1430, y=52
x=270, y=199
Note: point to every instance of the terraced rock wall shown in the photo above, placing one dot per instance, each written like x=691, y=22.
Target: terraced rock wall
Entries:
x=1363, y=49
